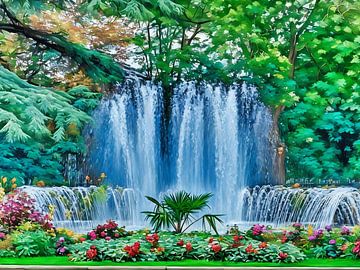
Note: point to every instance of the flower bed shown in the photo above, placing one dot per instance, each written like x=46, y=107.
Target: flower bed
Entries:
x=26, y=232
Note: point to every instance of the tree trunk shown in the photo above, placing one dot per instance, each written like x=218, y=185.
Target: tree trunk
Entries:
x=278, y=150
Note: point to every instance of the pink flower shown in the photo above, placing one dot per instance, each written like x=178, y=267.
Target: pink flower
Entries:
x=282, y=256
x=92, y=235
x=258, y=229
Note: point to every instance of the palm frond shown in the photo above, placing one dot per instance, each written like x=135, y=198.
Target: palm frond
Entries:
x=211, y=220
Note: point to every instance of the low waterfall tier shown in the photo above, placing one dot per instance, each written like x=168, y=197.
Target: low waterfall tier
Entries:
x=82, y=208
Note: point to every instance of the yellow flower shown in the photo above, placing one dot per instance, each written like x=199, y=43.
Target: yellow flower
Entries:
x=69, y=233
x=102, y=175
x=310, y=230
x=4, y=179
x=13, y=186
x=13, y=180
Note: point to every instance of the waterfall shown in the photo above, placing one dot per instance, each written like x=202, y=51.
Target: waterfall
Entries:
x=216, y=141
x=317, y=206
x=83, y=208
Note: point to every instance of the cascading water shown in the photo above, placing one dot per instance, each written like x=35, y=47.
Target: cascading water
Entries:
x=320, y=207
x=216, y=141
x=83, y=208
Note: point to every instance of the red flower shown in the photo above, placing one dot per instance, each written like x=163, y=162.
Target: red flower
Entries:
x=263, y=245
x=180, y=243
x=153, y=239
x=284, y=239
x=188, y=247
x=93, y=247
x=156, y=237
x=137, y=245
x=216, y=248
x=160, y=249
x=133, y=250
x=91, y=253
x=282, y=256
x=82, y=239
x=250, y=249
x=236, y=238
x=211, y=239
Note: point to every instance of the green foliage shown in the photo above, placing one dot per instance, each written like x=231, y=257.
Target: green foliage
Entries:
x=172, y=247
x=30, y=244
x=172, y=38
x=38, y=126
x=304, y=57
x=177, y=211
x=321, y=129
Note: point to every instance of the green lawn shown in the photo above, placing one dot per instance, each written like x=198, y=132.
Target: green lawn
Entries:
x=64, y=261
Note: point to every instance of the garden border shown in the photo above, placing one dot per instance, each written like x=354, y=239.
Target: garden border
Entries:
x=50, y=267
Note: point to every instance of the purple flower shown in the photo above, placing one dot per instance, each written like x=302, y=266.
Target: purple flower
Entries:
x=332, y=242
x=345, y=230
x=2, y=235
x=318, y=233
x=312, y=237
x=258, y=229
x=328, y=228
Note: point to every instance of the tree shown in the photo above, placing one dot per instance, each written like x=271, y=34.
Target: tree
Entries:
x=177, y=210
x=52, y=46
x=38, y=126
x=321, y=129
x=262, y=40
x=171, y=41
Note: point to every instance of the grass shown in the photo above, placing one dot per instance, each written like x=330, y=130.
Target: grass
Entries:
x=191, y=263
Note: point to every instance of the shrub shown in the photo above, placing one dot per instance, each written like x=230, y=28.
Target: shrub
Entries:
x=36, y=243
x=17, y=208
x=177, y=210
x=109, y=230
x=169, y=247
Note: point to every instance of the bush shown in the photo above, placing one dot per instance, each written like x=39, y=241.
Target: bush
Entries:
x=109, y=230
x=169, y=247
x=17, y=208
x=29, y=244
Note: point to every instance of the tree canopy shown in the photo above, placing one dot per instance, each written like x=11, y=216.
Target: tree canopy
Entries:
x=302, y=55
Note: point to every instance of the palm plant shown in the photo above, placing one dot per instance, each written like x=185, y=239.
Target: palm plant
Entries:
x=177, y=210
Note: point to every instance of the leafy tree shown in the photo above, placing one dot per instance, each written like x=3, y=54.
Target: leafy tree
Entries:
x=177, y=210
x=171, y=42
x=38, y=126
x=48, y=46
x=301, y=56
x=322, y=129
